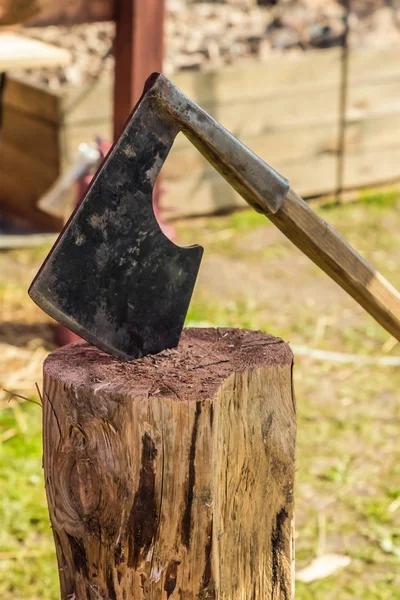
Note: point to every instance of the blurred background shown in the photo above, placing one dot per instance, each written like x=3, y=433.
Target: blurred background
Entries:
x=313, y=87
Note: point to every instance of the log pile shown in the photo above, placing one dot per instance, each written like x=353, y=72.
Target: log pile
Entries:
x=208, y=35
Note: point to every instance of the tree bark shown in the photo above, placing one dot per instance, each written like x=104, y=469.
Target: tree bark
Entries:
x=172, y=476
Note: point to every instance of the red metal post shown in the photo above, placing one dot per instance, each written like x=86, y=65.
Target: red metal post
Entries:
x=139, y=46
x=139, y=49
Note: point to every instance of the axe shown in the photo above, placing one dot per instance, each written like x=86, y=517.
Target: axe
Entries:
x=113, y=277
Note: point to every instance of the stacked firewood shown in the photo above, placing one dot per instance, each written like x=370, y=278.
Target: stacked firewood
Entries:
x=208, y=35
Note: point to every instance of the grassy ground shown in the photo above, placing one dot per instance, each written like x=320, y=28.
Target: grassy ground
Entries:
x=348, y=467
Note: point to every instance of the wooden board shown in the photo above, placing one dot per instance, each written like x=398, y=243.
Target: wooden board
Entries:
x=69, y=12
x=282, y=147
x=30, y=100
x=289, y=117
x=287, y=89
x=27, y=173
x=26, y=137
x=20, y=52
x=29, y=151
x=208, y=194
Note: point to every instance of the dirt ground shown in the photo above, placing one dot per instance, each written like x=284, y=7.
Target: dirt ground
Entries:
x=348, y=455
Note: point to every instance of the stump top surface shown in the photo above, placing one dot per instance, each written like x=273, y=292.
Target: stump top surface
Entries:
x=203, y=359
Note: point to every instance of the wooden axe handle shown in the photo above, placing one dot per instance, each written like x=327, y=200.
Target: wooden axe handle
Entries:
x=326, y=248
x=269, y=193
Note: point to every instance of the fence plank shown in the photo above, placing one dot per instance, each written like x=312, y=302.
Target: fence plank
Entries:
x=304, y=87
x=71, y=12
x=289, y=118
x=31, y=100
x=287, y=145
x=26, y=134
x=206, y=194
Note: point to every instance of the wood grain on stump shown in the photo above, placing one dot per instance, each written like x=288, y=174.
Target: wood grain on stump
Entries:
x=172, y=476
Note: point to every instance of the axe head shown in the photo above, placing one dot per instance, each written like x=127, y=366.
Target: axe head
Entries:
x=113, y=277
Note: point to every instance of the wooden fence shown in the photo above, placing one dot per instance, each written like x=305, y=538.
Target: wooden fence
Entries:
x=74, y=11
x=285, y=110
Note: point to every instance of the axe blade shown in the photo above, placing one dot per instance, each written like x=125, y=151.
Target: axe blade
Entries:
x=117, y=281
x=113, y=277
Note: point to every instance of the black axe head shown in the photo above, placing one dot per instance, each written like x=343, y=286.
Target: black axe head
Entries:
x=113, y=277
x=117, y=281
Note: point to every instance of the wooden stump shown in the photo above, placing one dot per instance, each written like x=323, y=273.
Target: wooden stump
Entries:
x=172, y=476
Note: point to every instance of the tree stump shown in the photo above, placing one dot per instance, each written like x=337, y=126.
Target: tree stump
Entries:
x=172, y=476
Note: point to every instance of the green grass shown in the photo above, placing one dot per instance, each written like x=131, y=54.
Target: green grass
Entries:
x=27, y=557
x=348, y=451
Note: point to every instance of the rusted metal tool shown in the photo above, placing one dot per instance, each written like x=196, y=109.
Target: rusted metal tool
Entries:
x=117, y=281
